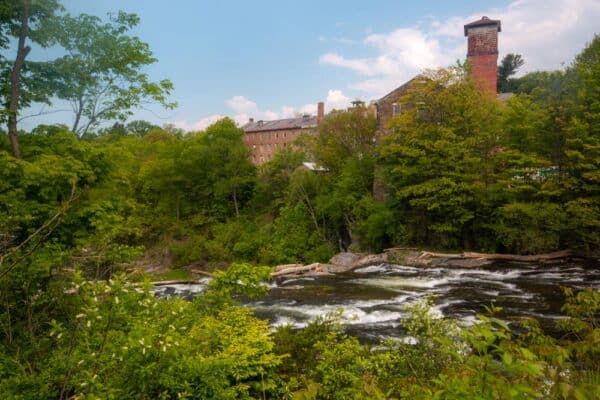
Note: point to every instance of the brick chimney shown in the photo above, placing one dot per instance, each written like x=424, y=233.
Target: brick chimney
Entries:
x=483, y=51
x=320, y=112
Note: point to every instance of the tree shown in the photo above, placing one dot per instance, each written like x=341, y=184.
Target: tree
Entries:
x=24, y=20
x=509, y=66
x=437, y=160
x=101, y=75
x=140, y=127
x=345, y=134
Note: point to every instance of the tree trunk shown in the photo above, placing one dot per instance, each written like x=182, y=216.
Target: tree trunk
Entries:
x=501, y=257
x=235, y=203
x=15, y=81
x=77, y=116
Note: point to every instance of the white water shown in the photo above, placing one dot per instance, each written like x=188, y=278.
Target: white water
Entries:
x=372, y=301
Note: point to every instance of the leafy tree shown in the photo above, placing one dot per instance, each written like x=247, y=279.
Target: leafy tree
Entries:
x=140, y=127
x=437, y=160
x=508, y=67
x=344, y=134
x=101, y=75
x=25, y=20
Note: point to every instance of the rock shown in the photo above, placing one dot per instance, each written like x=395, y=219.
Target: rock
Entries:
x=368, y=260
x=338, y=269
x=345, y=259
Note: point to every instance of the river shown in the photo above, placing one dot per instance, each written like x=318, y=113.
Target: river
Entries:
x=374, y=298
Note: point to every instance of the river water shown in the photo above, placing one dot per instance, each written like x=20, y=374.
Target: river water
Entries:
x=374, y=299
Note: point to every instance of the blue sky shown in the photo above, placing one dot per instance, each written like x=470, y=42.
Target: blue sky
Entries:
x=271, y=59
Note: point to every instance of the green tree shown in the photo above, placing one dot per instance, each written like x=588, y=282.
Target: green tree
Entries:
x=140, y=127
x=101, y=75
x=508, y=67
x=344, y=134
x=437, y=161
x=26, y=21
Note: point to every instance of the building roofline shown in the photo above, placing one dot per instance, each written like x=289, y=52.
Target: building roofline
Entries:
x=484, y=21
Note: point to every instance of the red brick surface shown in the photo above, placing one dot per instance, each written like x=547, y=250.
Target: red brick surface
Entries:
x=263, y=145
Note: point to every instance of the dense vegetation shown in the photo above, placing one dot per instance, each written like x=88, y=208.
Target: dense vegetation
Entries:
x=85, y=209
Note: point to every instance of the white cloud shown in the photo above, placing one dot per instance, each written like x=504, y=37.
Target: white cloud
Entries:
x=240, y=104
x=336, y=100
x=359, y=65
x=547, y=33
x=198, y=125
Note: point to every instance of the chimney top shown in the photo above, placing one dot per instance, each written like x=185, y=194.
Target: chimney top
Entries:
x=251, y=119
x=484, y=21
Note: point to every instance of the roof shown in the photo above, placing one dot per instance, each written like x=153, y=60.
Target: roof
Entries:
x=399, y=91
x=306, y=121
x=484, y=21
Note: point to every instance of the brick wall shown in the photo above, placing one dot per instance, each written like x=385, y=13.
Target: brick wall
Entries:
x=264, y=144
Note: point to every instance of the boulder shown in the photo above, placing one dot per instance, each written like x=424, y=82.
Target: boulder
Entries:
x=370, y=259
x=345, y=259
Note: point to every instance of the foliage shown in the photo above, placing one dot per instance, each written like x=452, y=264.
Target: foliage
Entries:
x=101, y=75
x=509, y=66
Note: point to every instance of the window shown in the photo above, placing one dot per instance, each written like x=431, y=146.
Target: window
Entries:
x=396, y=108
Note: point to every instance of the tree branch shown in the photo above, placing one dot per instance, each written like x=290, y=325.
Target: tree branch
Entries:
x=48, y=225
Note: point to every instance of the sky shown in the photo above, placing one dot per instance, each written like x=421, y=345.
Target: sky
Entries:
x=274, y=59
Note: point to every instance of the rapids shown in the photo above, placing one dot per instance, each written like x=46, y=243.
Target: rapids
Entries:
x=374, y=298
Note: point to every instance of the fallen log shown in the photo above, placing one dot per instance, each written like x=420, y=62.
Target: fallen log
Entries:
x=286, y=266
x=500, y=257
x=296, y=270
x=514, y=257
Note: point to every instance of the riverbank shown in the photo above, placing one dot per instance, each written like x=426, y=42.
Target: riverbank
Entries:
x=411, y=257
x=347, y=262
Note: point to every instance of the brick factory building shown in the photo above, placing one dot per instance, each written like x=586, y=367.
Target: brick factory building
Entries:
x=265, y=138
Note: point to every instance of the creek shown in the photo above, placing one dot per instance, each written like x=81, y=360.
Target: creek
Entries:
x=374, y=298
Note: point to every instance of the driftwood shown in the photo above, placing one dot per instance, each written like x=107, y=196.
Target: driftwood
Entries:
x=295, y=270
x=346, y=262
x=500, y=257
x=286, y=266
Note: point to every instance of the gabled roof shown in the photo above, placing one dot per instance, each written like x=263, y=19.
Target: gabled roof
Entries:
x=307, y=121
x=484, y=21
x=400, y=90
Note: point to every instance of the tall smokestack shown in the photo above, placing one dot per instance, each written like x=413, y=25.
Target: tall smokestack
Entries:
x=483, y=51
x=320, y=112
